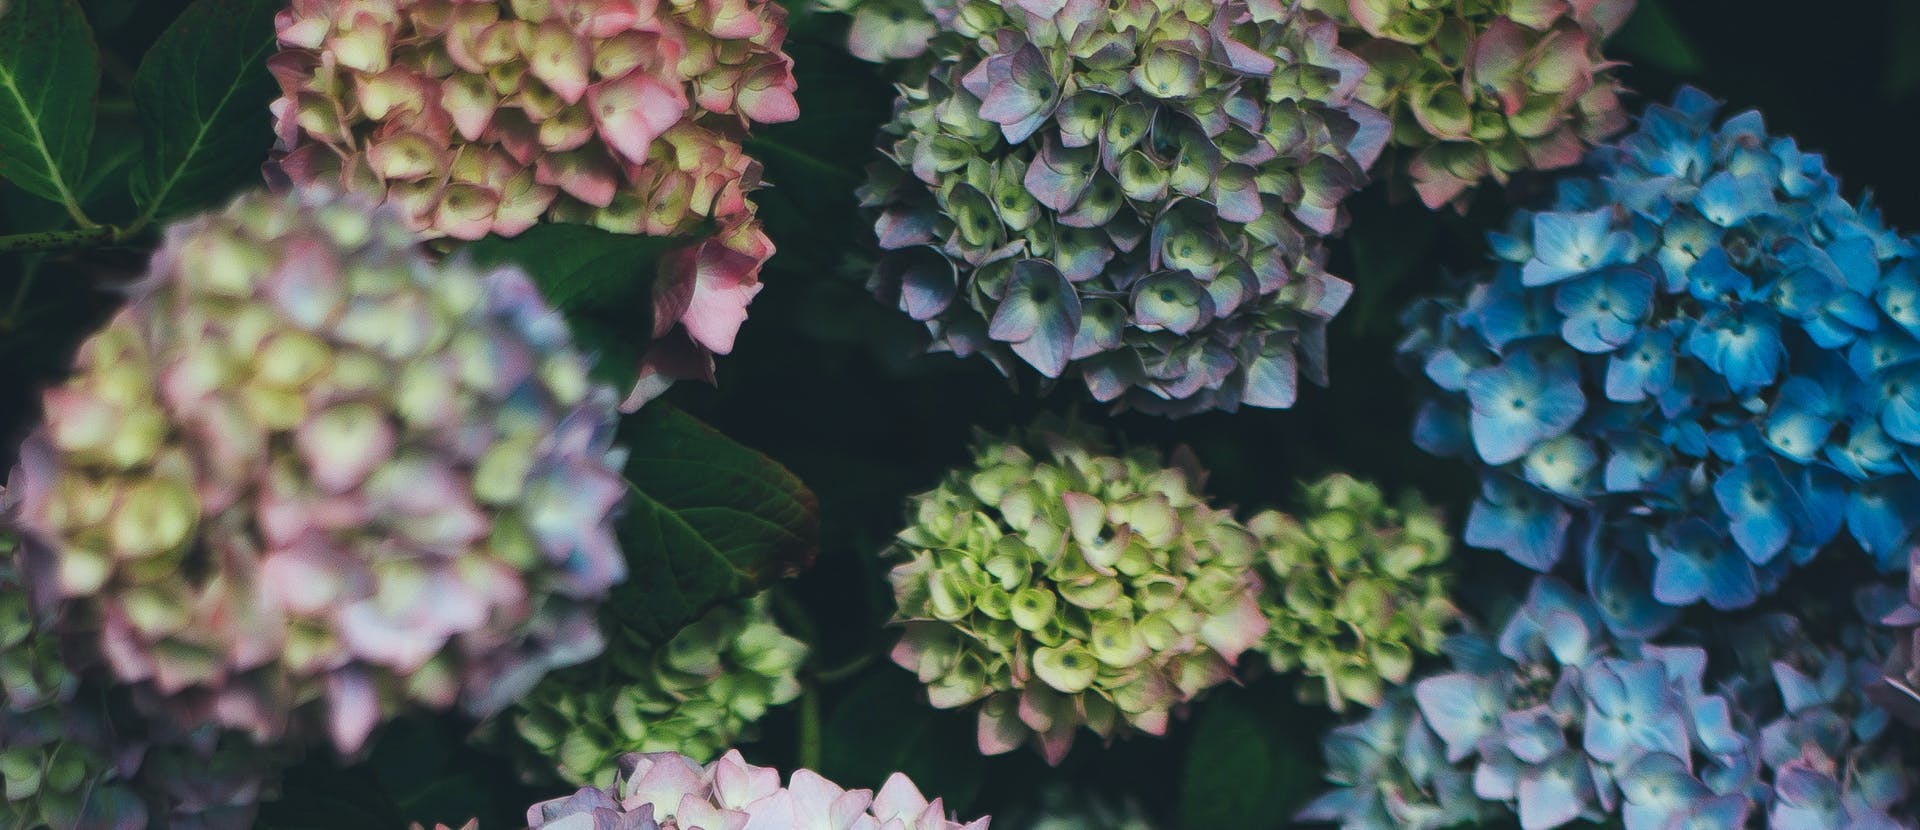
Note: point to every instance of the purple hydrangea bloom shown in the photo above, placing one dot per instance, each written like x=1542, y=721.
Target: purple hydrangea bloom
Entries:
x=1141, y=207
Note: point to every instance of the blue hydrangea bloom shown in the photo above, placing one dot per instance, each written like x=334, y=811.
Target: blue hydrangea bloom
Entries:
x=1701, y=358
x=1557, y=719
x=1391, y=773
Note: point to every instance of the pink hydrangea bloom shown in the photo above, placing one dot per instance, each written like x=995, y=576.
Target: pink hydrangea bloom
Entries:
x=668, y=791
x=481, y=117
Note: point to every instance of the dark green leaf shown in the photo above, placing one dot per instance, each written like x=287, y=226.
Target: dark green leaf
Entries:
x=602, y=282
x=884, y=725
x=707, y=520
x=1653, y=37
x=1246, y=767
x=203, y=91
x=49, y=74
x=104, y=191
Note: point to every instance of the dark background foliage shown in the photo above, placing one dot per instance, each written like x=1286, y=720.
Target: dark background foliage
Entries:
x=822, y=382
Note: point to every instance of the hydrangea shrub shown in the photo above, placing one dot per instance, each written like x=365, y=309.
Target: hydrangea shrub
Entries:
x=320, y=524
x=1693, y=370
x=697, y=695
x=666, y=791
x=308, y=478
x=1141, y=205
x=1055, y=584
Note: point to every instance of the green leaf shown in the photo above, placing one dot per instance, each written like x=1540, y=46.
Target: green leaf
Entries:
x=203, y=91
x=1653, y=37
x=1245, y=766
x=49, y=74
x=601, y=281
x=707, y=520
x=884, y=725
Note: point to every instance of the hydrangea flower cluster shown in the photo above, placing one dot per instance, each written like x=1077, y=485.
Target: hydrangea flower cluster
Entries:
x=1557, y=721
x=73, y=755
x=487, y=116
x=1391, y=772
x=664, y=791
x=1699, y=365
x=53, y=776
x=697, y=695
x=308, y=478
x=1135, y=193
x=1897, y=686
x=1354, y=589
x=1059, y=585
x=1823, y=745
x=1481, y=89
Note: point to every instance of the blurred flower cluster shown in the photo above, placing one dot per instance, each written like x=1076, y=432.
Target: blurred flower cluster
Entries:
x=306, y=479
x=1557, y=721
x=1354, y=589
x=488, y=116
x=697, y=695
x=1695, y=370
x=1060, y=585
x=1135, y=194
x=665, y=791
x=1483, y=89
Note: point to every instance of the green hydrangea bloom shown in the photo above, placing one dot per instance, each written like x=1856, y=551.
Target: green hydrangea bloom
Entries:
x=696, y=696
x=1354, y=589
x=1058, y=584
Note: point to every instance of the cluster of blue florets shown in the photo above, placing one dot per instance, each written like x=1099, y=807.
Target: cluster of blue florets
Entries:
x=1694, y=370
x=1558, y=720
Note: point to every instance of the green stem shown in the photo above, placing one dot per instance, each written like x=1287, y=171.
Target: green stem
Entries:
x=835, y=674
x=20, y=293
x=67, y=240
x=810, y=736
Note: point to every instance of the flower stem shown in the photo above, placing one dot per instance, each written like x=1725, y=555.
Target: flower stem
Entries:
x=835, y=674
x=810, y=733
x=67, y=240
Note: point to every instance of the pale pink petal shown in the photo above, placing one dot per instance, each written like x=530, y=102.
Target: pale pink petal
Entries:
x=561, y=60
x=633, y=110
x=353, y=709
x=766, y=94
